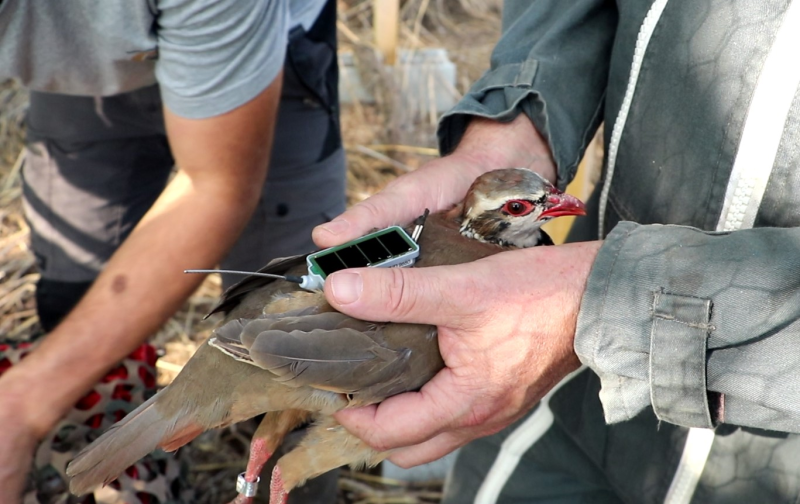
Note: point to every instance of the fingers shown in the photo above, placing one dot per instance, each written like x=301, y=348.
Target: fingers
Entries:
x=456, y=296
x=430, y=450
x=414, y=295
x=486, y=145
x=420, y=427
x=411, y=418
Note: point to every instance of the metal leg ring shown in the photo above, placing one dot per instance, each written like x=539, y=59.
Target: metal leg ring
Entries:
x=246, y=488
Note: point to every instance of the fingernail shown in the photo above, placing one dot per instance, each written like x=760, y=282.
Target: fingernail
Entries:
x=336, y=226
x=346, y=287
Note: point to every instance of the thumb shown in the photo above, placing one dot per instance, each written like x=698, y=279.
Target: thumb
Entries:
x=414, y=295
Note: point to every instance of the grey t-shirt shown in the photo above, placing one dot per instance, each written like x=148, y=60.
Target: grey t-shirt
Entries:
x=208, y=56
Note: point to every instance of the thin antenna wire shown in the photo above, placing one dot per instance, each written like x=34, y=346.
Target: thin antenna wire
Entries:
x=288, y=278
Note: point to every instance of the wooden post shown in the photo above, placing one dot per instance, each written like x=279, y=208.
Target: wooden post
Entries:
x=386, y=26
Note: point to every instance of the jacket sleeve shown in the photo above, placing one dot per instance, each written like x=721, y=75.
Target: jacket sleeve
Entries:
x=551, y=64
x=704, y=326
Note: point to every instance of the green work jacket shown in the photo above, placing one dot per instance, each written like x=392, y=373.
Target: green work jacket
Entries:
x=691, y=315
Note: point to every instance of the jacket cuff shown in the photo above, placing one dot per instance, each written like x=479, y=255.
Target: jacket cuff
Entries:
x=652, y=352
x=550, y=64
x=497, y=95
x=505, y=92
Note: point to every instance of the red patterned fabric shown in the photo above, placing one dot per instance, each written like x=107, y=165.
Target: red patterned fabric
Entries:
x=156, y=479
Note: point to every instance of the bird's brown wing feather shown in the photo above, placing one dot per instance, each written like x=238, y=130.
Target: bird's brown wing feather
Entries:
x=329, y=351
x=354, y=361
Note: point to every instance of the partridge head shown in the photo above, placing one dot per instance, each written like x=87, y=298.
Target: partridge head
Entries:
x=286, y=352
x=508, y=208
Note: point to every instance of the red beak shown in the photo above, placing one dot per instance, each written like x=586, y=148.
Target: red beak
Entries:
x=559, y=203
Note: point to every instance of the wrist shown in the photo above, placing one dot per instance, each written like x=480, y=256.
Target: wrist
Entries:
x=581, y=261
x=567, y=270
x=494, y=145
x=46, y=384
x=31, y=411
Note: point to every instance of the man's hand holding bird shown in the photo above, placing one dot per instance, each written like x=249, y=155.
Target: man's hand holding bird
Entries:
x=506, y=326
x=506, y=323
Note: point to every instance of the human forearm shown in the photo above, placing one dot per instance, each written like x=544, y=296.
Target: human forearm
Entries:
x=133, y=296
x=516, y=144
x=192, y=224
x=551, y=65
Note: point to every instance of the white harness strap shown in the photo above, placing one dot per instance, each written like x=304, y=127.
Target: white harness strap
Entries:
x=693, y=461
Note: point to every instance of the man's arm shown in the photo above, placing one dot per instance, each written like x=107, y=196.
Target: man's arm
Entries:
x=506, y=323
x=223, y=164
x=530, y=109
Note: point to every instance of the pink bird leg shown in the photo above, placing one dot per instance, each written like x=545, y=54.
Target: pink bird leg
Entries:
x=259, y=455
x=277, y=494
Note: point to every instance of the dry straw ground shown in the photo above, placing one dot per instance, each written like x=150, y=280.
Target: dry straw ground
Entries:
x=382, y=142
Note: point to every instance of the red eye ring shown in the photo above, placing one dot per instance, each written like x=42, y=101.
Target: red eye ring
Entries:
x=517, y=207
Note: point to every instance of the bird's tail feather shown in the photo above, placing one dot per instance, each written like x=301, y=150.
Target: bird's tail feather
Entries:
x=139, y=433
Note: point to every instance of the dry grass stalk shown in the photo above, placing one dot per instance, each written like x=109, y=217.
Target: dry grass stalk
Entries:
x=363, y=488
